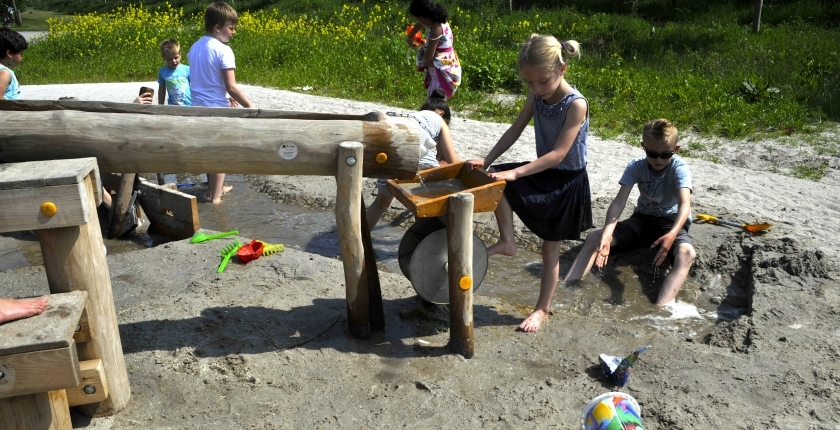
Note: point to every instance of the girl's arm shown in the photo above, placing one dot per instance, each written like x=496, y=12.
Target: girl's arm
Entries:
x=511, y=135
x=435, y=33
x=5, y=80
x=574, y=118
x=161, y=94
x=445, y=148
x=230, y=85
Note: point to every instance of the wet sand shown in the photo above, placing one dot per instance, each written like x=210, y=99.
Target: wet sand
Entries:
x=265, y=345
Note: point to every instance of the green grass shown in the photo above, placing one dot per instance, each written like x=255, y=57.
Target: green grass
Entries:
x=697, y=64
x=36, y=20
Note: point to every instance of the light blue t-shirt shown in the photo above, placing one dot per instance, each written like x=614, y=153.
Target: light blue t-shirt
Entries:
x=659, y=193
x=177, y=82
x=13, y=90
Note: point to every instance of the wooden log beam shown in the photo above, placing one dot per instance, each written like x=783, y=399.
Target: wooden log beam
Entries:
x=460, y=253
x=120, y=204
x=349, y=225
x=209, y=141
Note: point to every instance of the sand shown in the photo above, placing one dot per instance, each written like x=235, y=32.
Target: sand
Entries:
x=265, y=345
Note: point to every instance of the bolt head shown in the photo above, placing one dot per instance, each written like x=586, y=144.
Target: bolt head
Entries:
x=351, y=161
x=89, y=389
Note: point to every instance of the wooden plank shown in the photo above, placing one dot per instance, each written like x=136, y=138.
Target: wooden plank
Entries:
x=132, y=108
x=125, y=142
x=39, y=371
x=20, y=209
x=93, y=375
x=374, y=288
x=172, y=213
x=74, y=260
x=41, y=411
x=52, y=329
x=46, y=173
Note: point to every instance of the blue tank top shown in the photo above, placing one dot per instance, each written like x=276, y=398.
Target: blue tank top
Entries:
x=549, y=121
x=13, y=90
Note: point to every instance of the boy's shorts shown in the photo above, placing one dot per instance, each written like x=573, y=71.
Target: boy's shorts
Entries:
x=640, y=231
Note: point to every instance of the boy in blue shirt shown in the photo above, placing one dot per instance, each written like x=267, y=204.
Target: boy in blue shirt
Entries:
x=174, y=78
x=660, y=219
x=12, y=45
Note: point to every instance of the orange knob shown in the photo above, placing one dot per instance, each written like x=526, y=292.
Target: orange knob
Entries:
x=48, y=209
x=465, y=283
x=381, y=157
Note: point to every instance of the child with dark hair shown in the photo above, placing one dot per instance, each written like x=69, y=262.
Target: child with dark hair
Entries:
x=437, y=56
x=12, y=45
x=433, y=119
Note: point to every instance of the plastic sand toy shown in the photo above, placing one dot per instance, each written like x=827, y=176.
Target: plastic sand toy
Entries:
x=612, y=411
x=227, y=252
x=271, y=249
x=250, y=251
x=617, y=368
x=202, y=237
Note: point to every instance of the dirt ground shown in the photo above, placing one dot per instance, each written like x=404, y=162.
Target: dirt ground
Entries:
x=266, y=345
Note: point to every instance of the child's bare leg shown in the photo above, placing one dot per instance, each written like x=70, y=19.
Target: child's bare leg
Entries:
x=551, y=272
x=585, y=258
x=507, y=242
x=216, y=187
x=15, y=309
x=376, y=209
x=106, y=199
x=684, y=257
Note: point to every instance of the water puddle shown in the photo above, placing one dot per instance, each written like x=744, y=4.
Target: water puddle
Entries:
x=621, y=293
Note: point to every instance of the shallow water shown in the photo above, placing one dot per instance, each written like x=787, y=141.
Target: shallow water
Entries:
x=620, y=293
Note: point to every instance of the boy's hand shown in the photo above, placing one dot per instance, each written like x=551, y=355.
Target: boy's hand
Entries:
x=233, y=102
x=664, y=243
x=603, y=253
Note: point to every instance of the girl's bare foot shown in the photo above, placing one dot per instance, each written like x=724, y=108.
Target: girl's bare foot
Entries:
x=533, y=322
x=226, y=189
x=503, y=248
x=15, y=309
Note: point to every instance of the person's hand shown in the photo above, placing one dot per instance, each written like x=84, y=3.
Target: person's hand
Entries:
x=504, y=175
x=144, y=99
x=664, y=243
x=474, y=163
x=603, y=253
x=233, y=102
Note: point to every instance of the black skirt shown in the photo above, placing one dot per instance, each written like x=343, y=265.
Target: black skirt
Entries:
x=554, y=204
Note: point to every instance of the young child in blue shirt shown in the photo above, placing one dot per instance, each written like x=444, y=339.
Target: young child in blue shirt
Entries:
x=174, y=78
x=12, y=45
x=661, y=218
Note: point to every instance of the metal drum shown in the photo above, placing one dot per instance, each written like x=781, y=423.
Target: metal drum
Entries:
x=423, y=256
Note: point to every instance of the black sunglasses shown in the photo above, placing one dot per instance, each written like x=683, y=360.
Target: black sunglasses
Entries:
x=662, y=155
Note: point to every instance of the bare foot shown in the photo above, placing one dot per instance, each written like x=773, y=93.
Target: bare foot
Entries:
x=503, y=248
x=226, y=189
x=15, y=309
x=533, y=322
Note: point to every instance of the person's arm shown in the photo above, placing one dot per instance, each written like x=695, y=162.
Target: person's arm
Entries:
x=5, y=80
x=614, y=211
x=509, y=138
x=161, y=94
x=235, y=92
x=665, y=242
x=435, y=33
x=409, y=38
x=445, y=148
x=574, y=118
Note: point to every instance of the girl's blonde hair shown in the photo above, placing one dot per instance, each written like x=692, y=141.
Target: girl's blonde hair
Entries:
x=544, y=52
x=660, y=130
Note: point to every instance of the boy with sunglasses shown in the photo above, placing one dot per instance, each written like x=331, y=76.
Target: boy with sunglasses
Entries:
x=661, y=217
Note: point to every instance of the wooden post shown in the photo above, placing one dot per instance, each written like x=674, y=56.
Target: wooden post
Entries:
x=120, y=205
x=161, y=178
x=377, y=311
x=41, y=411
x=348, y=221
x=74, y=260
x=460, y=252
x=757, y=15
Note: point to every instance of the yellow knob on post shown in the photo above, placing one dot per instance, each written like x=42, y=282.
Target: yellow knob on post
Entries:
x=48, y=208
x=465, y=283
x=381, y=157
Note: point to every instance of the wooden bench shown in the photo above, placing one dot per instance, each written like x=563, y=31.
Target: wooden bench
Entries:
x=58, y=199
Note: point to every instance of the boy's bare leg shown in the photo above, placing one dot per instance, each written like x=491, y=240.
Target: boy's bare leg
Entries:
x=585, y=258
x=376, y=209
x=106, y=199
x=684, y=257
x=15, y=309
x=216, y=187
x=551, y=272
x=507, y=242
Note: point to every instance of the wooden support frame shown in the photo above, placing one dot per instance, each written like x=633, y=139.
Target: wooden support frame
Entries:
x=41, y=411
x=460, y=251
